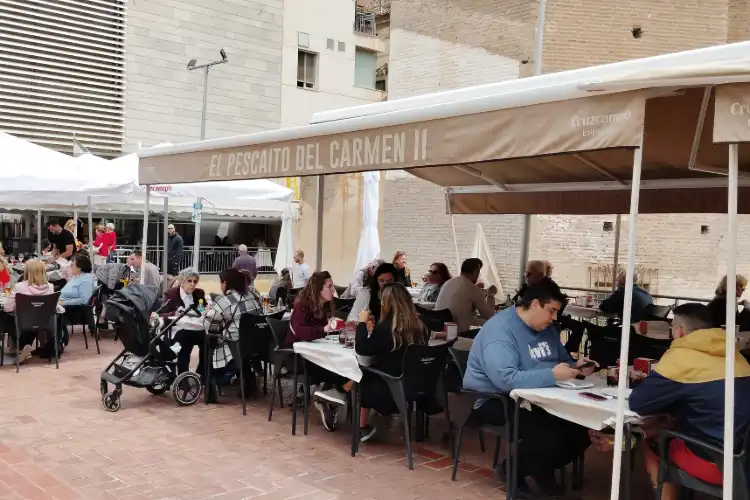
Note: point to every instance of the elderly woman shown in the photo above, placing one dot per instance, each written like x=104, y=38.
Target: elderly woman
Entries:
x=176, y=300
x=80, y=288
x=718, y=305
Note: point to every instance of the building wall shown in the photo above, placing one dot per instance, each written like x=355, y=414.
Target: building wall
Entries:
x=333, y=19
x=164, y=99
x=490, y=40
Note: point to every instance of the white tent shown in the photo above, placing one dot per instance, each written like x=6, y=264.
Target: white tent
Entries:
x=489, y=271
x=369, y=240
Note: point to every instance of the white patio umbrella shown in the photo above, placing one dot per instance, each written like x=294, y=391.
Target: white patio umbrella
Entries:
x=369, y=240
x=489, y=271
x=285, y=251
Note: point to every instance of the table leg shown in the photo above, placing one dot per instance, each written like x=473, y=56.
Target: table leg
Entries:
x=355, y=417
x=627, y=461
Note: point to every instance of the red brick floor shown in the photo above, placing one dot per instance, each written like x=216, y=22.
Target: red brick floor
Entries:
x=57, y=442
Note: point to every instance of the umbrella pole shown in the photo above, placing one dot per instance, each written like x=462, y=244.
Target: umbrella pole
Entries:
x=453, y=230
x=731, y=349
x=165, y=238
x=618, y=227
x=625, y=336
x=39, y=234
x=144, y=243
x=91, y=230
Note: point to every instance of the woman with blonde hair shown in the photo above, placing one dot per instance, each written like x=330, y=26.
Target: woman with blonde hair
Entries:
x=718, y=305
x=71, y=226
x=35, y=284
x=399, y=326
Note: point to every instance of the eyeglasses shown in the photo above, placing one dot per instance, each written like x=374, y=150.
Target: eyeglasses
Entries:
x=434, y=271
x=191, y=281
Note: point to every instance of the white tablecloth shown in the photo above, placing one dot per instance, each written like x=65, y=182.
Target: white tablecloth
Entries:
x=332, y=356
x=188, y=323
x=569, y=405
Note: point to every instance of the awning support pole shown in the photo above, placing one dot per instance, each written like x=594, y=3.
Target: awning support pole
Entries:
x=144, y=243
x=39, y=234
x=197, y=238
x=165, y=239
x=731, y=347
x=75, y=223
x=526, y=237
x=453, y=230
x=625, y=335
x=618, y=222
x=320, y=202
x=91, y=230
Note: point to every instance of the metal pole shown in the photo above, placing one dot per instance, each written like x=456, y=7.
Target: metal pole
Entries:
x=453, y=229
x=625, y=334
x=165, y=238
x=145, y=234
x=320, y=201
x=731, y=348
x=39, y=234
x=91, y=230
x=525, y=248
x=197, y=238
x=618, y=222
x=75, y=223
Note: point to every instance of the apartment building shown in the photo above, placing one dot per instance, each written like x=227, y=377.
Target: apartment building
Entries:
x=446, y=44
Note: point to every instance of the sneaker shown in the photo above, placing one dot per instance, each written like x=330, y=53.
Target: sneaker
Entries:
x=332, y=396
x=328, y=414
x=366, y=432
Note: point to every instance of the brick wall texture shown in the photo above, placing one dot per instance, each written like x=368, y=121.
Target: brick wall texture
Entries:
x=445, y=44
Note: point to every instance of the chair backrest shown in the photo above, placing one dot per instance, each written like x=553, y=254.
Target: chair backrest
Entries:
x=455, y=369
x=36, y=312
x=344, y=305
x=281, y=294
x=343, y=315
x=657, y=311
x=279, y=328
x=256, y=337
x=460, y=359
x=422, y=369
x=435, y=320
x=94, y=300
x=291, y=296
x=340, y=289
x=276, y=315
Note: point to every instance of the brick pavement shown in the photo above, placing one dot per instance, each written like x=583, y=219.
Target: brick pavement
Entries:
x=57, y=442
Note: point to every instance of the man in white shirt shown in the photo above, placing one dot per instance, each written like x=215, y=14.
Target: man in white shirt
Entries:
x=300, y=270
x=465, y=299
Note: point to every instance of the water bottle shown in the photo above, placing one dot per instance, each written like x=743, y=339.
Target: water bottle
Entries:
x=201, y=307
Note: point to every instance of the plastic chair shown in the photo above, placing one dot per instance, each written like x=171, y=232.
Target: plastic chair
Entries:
x=669, y=472
x=340, y=290
x=344, y=305
x=36, y=314
x=423, y=370
x=255, y=343
x=84, y=315
x=434, y=320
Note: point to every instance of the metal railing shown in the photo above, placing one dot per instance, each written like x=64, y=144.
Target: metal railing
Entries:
x=213, y=260
x=603, y=293
x=364, y=23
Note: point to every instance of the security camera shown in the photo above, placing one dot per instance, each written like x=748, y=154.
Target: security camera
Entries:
x=223, y=55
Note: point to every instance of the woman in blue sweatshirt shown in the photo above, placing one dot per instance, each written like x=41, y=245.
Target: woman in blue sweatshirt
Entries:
x=78, y=291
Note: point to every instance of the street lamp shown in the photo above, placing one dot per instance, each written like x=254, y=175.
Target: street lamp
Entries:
x=192, y=65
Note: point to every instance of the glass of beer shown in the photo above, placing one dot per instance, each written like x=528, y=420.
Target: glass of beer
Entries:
x=613, y=376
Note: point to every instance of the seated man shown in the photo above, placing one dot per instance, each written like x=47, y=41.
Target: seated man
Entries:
x=536, y=271
x=519, y=348
x=640, y=306
x=150, y=271
x=469, y=305
x=688, y=385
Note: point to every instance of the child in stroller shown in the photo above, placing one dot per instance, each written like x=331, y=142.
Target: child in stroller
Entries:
x=147, y=360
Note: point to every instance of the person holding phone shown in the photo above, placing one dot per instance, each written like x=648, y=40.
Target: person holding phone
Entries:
x=520, y=348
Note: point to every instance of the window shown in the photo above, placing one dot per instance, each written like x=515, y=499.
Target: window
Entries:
x=380, y=85
x=342, y=47
x=303, y=39
x=329, y=43
x=307, y=65
x=365, y=67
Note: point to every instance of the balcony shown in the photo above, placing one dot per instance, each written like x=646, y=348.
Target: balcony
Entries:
x=364, y=23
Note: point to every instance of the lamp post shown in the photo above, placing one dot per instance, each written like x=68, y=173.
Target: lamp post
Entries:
x=192, y=65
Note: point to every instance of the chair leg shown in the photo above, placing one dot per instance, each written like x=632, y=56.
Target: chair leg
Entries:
x=306, y=400
x=265, y=378
x=242, y=390
x=294, y=403
x=496, y=455
x=85, y=339
x=407, y=429
x=96, y=337
x=57, y=355
x=18, y=350
x=457, y=452
x=481, y=441
x=274, y=381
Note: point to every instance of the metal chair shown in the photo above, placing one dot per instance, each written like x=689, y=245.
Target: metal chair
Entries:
x=84, y=315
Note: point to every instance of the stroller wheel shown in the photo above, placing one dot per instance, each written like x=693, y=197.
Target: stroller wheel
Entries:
x=111, y=401
x=186, y=388
x=103, y=387
x=157, y=389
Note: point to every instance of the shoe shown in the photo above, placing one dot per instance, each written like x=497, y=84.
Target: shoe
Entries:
x=332, y=396
x=328, y=414
x=366, y=432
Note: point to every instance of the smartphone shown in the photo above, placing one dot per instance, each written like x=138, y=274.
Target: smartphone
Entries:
x=591, y=395
x=587, y=364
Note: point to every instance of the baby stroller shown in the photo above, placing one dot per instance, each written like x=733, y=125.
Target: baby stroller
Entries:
x=146, y=359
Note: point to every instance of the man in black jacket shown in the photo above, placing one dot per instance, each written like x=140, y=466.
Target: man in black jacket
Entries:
x=174, y=252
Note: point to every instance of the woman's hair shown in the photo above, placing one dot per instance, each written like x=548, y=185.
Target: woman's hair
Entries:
x=82, y=262
x=397, y=256
x=721, y=290
x=34, y=273
x=310, y=295
x=100, y=228
x=234, y=280
x=407, y=327
x=443, y=272
x=186, y=273
x=374, y=287
x=70, y=225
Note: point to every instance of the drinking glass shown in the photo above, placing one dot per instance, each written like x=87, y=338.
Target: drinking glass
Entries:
x=613, y=376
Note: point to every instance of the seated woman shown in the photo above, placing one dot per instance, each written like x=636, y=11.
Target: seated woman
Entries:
x=284, y=280
x=34, y=283
x=80, y=288
x=369, y=297
x=360, y=279
x=223, y=318
x=310, y=321
x=402, y=271
x=436, y=278
x=398, y=327
x=718, y=305
x=176, y=300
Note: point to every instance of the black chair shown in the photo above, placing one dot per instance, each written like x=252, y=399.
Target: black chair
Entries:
x=657, y=313
x=669, y=472
x=36, y=314
x=340, y=290
x=278, y=315
x=291, y=296
x=282, y=295
x=342, y=315
x=434, y=320
x=84, y=315
x=255, y=343
x=422, y=375
x=343, y=305
x=281, y=357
